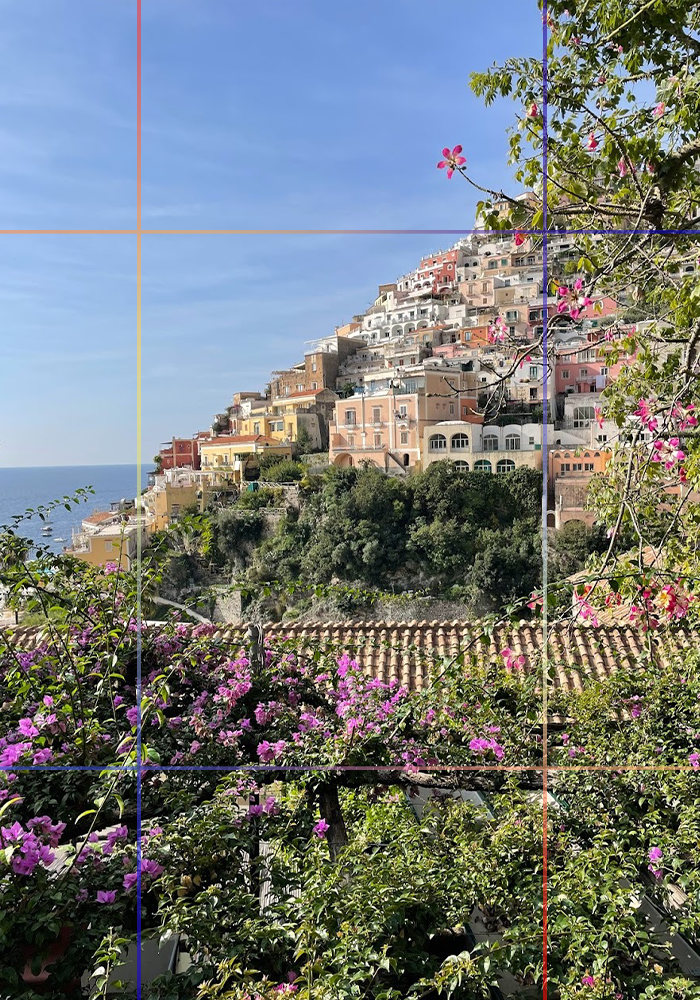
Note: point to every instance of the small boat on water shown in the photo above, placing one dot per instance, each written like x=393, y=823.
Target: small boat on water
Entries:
x=57, y=538
x=47, y=529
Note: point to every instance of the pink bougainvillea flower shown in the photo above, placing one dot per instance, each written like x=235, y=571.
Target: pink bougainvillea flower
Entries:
x=659, y=110
x=519, y=239
x=592, y=142
x=694, y=761
x=452, y=160
x=533, y=111
x=321, y=829
x=622, y=167
x=107, y=897
x=655, y=854
x=588, y=981
x=599, y=416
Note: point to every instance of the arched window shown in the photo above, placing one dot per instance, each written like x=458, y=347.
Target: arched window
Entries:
x=490, y=443
x=482, y=465
x=505, y=465
x=438, y=442
x=460, y=442
x=461, y=466
x=583, y=416
x=512, y=442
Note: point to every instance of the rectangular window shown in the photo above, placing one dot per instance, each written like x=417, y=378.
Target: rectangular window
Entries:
x=350, y=417
x=108, y=546
x=577, y=467
x=403, y=410
x=565, y=373
x=533, y=393
x=566, y=467
x=313, y=366
x=583, y=371
x=314, y=386
x=588, y=466
x=404, y=437
x=351, y=440
x=377, y=440
x=533, y=371
x=300, y=386
x=452, y=408
x=376, y=415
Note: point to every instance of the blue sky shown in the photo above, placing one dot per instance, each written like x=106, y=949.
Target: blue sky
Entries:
x=289, y=114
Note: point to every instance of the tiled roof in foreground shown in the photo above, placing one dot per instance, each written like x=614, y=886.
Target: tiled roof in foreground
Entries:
x=411, y=651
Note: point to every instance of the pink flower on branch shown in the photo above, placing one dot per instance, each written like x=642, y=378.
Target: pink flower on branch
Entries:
x=321, y=829
x=592, y=142
x=453, y=161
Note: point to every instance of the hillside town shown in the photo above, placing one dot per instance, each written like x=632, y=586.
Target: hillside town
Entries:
x=446, y=364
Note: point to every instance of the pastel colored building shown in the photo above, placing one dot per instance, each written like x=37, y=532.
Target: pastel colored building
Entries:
x=570, y=471
x=483, y=448
x=110, y=538
x=228, y=460
x=386, y=427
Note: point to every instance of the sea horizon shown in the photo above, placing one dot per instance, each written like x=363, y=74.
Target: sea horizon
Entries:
x=30, y=486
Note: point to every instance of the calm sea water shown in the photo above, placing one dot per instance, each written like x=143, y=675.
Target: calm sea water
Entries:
x=23, y=488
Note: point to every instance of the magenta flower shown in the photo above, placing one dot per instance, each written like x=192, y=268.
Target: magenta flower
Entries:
x=685, y=416
x=622, y=167
x=588, y=981
x=659, y=110
x=452, y=160
x=519, y=239
x=321, y=829
x=107, y=897
x=599, y=416
x=269, y=751
x=668, y=452
x=655, y=853
x=592, y=142
x=694, y=760
x=533, y=111
x=645, y=414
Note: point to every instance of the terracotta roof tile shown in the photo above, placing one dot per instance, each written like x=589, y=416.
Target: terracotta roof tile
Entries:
x=412, y=651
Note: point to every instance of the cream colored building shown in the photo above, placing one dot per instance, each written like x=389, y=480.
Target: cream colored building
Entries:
x=225, y=460
x=477, y=448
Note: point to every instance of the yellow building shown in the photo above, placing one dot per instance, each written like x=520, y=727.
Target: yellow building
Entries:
x=225, y=460
x=110, y=540
x=283, y=418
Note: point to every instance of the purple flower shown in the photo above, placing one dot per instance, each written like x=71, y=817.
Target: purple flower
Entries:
x=321, y=829
x=107, y=897
x=655, y=853
x=27, y=728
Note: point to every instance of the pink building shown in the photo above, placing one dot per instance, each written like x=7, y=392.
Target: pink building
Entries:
x=386, y=428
